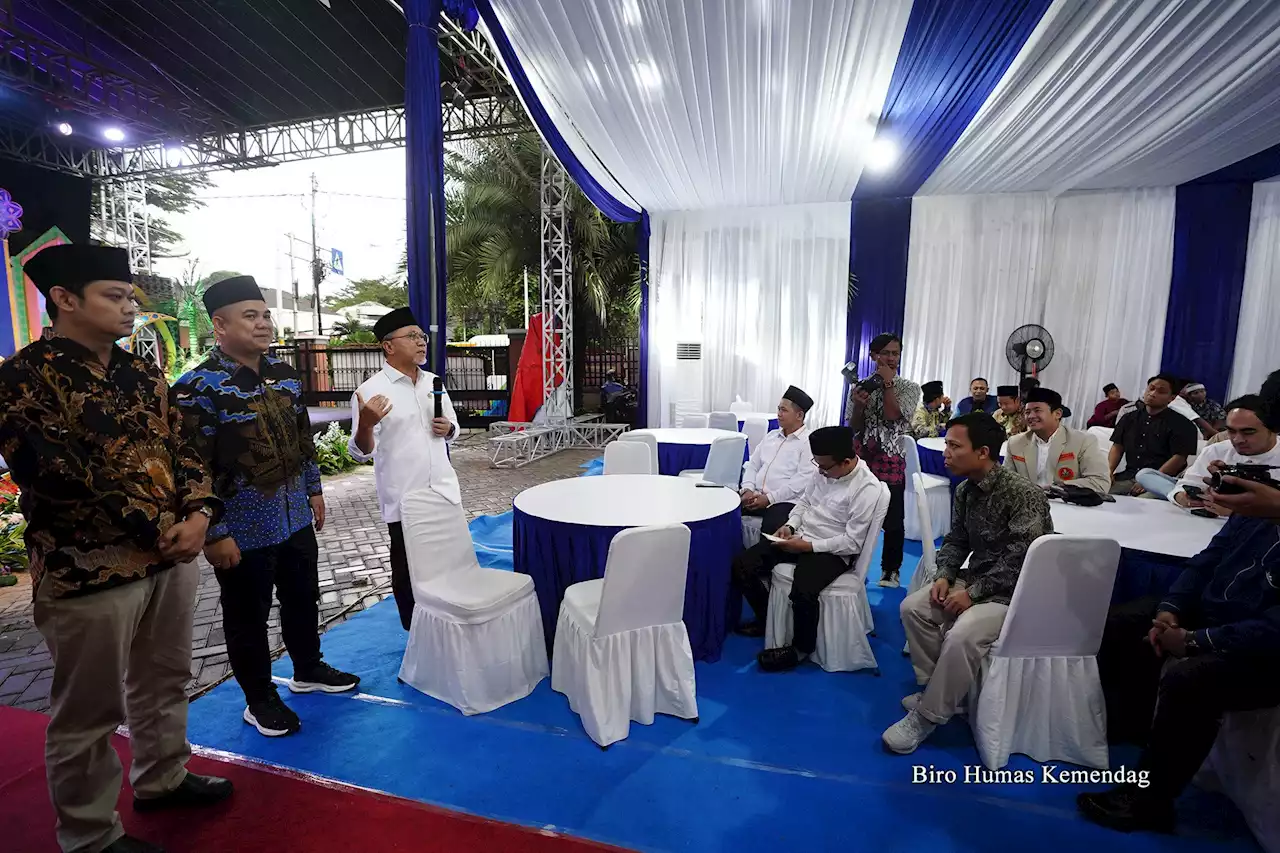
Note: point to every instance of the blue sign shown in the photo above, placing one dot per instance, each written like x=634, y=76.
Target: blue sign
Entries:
x=335, y=261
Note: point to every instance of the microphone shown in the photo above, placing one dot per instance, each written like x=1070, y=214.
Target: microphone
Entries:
x=437, y=389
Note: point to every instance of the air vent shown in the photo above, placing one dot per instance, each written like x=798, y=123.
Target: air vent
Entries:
x=688, y=352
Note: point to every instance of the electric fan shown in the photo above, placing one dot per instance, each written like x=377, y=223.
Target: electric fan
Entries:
x=1029, y=350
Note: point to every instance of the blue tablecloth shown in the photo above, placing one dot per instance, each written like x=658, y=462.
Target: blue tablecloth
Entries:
x=557, y=555
x=773, y=424
x=931, y=462
x=674, y=458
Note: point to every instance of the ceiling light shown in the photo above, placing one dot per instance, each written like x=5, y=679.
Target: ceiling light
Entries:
x=646, y=75
x=881, y=155
x=64, y=128
x=113, y=134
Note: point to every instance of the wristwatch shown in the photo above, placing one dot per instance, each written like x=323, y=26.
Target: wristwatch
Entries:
x=205, y=511
x=1191, y=646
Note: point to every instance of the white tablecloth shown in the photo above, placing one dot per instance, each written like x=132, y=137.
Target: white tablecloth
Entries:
x=626, y=500
x=1140, y=524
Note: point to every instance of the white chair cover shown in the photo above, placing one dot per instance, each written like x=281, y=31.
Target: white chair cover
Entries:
x=927, y=568
x=648, y=438
x=723, y=420
x=756, y=429
x=844, y=613
x=622, y=650
x=476, y=639
x=1103, y=435
x=937, y=490
x=739, y=405
x=693, y=421
x=1244, y=764
x=751, y=525
x=1038, y=692
x=628, y=457
x=724, y=462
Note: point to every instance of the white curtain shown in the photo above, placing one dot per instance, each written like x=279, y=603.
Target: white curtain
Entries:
x=1257, y=340
x=1109, y=272
x=975, y=272
x=764, y=291
x=1125, y=94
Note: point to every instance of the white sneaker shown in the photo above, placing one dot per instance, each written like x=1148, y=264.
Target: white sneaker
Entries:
x=889, y=581
x=904, y=736
x=909, y=703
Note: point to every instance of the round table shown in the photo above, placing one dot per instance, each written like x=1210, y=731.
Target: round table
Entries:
x=562, y=531
x=1156, y=536
x=683, y=449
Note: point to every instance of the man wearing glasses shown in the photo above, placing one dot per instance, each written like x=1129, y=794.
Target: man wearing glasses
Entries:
x=394, y=423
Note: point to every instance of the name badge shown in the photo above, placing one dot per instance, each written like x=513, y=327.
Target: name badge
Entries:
x=1019, y=459
x=1067, y=457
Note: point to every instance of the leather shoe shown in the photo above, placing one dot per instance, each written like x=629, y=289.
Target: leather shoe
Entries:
x=192, y=791
x=1127, y=808
x=129, y=844
x=778, y=660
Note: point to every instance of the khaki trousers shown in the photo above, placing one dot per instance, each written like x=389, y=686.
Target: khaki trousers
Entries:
x=138, y=634
x=947, y=651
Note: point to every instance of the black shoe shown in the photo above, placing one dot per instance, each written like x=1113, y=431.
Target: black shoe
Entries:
x=778, y=660
x=129, y=844
x=192, y=791
x=889, y=580
x=1127, y=808
x=272, y=718
x=750, y=629
x=323, y=678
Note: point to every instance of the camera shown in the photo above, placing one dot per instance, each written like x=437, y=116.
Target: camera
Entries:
x=872, y=383
x=1243, y=471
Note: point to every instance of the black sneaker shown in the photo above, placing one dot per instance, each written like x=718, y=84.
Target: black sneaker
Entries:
x=889, y=580
x=193, y=792
x=272, y=718
x=323, y=678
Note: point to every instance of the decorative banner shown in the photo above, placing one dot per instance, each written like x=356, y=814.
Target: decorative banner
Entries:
x=10, y=215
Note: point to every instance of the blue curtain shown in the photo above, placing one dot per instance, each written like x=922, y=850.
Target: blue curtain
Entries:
x=642, y=246
x=880, y=232
x=1210, y=241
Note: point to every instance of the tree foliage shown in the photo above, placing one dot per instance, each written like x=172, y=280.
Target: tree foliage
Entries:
x=173, y=194
x=388, y=292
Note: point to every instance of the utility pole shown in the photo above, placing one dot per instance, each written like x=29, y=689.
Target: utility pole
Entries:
x=315, y=254
x=526, y=297
x=293, y=282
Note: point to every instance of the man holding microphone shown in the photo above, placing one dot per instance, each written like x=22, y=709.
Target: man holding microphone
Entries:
x=403, y=420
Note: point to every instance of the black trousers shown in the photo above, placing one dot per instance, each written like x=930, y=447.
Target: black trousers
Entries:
x=291, y=568
x=814, y=573
x=1174, y=706
x=894, y=532
x=401, y=584
x=773, y=516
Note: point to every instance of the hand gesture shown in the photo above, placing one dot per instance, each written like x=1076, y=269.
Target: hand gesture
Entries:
x=440, y=427
x=939, y=591
x=317, y=510
x=784, y=532
x=794, y=545
x=372, y=412
x=183, y=541
x=223, y=554
x=1164, y=621
x=860, y=397
x=1136, y=491
x=946, y=404
x=1257, y=500
x=957, y=601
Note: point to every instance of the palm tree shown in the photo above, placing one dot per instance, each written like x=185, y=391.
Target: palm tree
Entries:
x=493, y=234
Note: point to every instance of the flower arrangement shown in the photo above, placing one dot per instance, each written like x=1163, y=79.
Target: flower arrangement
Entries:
x=13, y=545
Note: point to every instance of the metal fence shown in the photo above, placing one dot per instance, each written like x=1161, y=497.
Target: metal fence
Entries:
x=623, y=360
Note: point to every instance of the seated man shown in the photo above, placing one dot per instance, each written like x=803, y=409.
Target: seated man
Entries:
x=1151, y=438
x=1171, y=666
x=1104, y=414
x=1209, y=411
x=1009, y=415
x=1250, y=442
x=822, y=537
x=1179, y=404
x=951, y=624
x=931, y=418
x=1257, y=500
x=1051, y=452
x=781, y=466
x=978, y=399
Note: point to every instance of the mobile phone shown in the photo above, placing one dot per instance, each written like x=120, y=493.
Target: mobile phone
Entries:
x=1203, y=513
x=1194, y=492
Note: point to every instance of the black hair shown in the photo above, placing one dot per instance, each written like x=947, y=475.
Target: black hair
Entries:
x=1108, y=388
x=979, y=379
x=881, y=341
x=1176, y=383
x=983, y=431
x=1250, y=403
x=1270, y=394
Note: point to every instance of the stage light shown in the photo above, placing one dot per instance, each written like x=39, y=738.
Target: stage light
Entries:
x=64, y=128
x=881, y=155
x=113, y=134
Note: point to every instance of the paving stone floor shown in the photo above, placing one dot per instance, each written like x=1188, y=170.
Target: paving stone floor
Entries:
x=354, y=572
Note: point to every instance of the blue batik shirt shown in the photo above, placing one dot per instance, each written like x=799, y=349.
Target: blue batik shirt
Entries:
x=254, y=432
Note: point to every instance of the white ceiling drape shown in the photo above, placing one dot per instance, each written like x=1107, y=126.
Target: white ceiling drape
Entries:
x=1257, y=342
x=1125, y=94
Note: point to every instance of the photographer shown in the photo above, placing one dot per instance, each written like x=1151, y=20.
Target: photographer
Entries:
x=1255, y=499
x=1251, y=442
x=880, y=409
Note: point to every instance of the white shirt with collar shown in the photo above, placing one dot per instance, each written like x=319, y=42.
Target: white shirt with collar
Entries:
x=1225, y=452
x=1044, y=477
x=406, y=454
x=781, y=466
x=835, y=515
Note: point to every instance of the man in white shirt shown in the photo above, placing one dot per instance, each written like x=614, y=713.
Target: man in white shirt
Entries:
x=822, y=536
x=1050, y=452
x=1251, y=443
x=781, y=466
x=394, y=422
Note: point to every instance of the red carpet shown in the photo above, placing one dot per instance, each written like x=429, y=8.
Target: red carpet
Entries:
x=272, y=810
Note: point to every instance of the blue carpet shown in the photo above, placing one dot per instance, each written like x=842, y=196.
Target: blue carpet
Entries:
x=491, y=535
x=592, y=467
x=778, y=763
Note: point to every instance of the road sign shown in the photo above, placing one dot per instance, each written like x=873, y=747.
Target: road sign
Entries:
x=335, y=261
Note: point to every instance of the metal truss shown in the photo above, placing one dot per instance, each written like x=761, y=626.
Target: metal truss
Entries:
x=124, y=220
x=557, y=291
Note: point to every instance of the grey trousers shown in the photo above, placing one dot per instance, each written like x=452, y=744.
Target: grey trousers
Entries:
x=947, y=651
x=137, y=635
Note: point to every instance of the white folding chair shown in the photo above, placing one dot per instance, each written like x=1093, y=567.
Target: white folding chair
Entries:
x=476, y=639
x=1103, y=435
x=1038, y=692
x=740, y=406
x=927, y=569
x=844, y=613
x=650, y=440
x=723, y=420
x=756, y=429
x=1244, y=764
x=937, y=490
x=724, y=462
x=694, y=421
x=622, y=650
x=628, y=457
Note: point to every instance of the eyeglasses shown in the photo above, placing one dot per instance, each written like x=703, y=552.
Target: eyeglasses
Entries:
x=818, y=465
x=416, y=337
